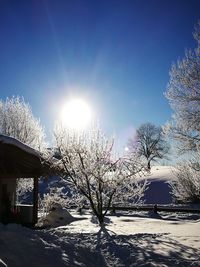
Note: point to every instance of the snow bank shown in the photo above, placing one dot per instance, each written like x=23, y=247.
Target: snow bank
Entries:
x=161, y=173
x=58, y=216
x=159, y=191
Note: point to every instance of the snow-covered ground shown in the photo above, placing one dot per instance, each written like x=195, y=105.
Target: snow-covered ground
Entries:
x=128, y=239
x=159, y=191
x=134, y=239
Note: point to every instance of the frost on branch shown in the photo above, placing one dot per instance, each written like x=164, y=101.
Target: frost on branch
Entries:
x=24, y=186
x=59, y=192
x=184, y=97
x=183, y=93
x=55, y=196
x=186, y=187
x=90, y=166
x=17, y=120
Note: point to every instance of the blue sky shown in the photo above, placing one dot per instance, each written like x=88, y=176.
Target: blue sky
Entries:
x=116, y=54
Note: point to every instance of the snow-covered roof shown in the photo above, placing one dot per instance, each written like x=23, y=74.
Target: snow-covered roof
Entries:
x=18, y=160
x=4, y=139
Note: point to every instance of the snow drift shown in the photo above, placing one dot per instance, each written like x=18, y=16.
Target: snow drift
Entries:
x=58, y=216
x=159, y=190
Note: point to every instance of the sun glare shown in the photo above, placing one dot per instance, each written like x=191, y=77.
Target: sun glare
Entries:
x=126, y=149
x=76, y=114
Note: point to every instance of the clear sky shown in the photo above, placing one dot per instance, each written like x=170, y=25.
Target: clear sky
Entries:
x=115, y=54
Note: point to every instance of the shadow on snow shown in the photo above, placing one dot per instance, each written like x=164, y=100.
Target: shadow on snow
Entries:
x=55, y=247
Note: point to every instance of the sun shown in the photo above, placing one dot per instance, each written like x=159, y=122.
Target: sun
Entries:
x=76, y=114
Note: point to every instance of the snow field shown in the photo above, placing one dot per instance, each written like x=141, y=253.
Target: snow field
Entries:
x=127, y=240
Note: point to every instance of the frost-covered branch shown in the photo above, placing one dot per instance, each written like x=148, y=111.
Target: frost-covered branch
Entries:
x=90, y=166
x=186, y=187
x=17, y=120
x=183, y=93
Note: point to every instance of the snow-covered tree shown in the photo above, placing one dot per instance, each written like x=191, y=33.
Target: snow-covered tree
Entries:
x=24, y=186
x=149, y=143
x=55, y=196
x=183, y=93
x=186, y=187
x=59, y=192
x=88, y=164
x=17, y=120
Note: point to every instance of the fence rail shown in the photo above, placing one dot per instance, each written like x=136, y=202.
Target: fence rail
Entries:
x=150, y=207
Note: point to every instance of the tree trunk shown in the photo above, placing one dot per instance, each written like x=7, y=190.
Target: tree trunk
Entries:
x=149, y=165
x=100, y=218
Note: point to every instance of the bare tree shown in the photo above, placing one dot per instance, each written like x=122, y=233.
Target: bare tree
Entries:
x=149, y=143
x=91, y=168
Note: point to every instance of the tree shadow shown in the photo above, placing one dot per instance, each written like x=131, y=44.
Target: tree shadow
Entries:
x=75, y=248
x=144, y=250
x=106, y=248
x=110, y=249
x=55, y=247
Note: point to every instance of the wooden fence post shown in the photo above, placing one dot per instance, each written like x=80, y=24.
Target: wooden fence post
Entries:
x=35, y=200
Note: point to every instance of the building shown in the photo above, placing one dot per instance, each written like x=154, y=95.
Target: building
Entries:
x=18, y=160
